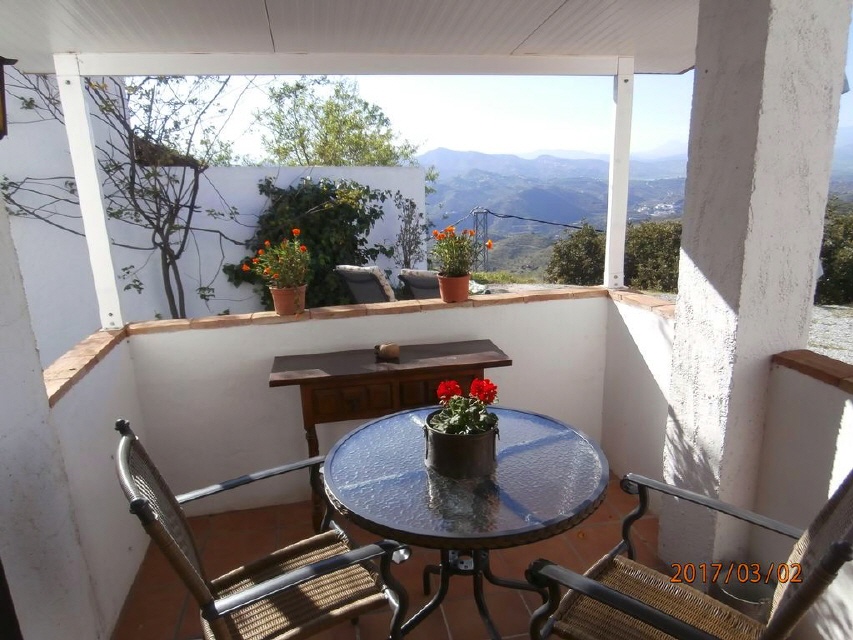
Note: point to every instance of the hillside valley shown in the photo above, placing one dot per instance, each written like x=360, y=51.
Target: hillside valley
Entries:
x=532, y=200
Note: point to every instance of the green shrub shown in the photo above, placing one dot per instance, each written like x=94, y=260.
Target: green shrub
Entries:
x=334, y=218
x=651, y=255
x=835, y=286
x=577, y=258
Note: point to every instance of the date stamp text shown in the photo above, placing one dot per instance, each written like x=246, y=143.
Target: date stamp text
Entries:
x=741, y=572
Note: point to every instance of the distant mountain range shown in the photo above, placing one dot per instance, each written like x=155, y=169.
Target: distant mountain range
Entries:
x=539, y=194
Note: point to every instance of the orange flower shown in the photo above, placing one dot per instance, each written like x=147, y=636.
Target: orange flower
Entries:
x=246, y=267
x=450, y=230
x=275, y=275
x=261, y=252
x=441, y=236
x=296, y=233
x=266, y=271
x=255, y=261
x=488, y=244
x=471, y=232
x=266, y=243
x=435, y=233
x=303, y=248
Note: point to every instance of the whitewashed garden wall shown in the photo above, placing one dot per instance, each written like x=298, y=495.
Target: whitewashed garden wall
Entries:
x=55, y=263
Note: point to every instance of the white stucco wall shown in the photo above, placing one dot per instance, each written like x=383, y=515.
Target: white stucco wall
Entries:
x=112, y=540
x=636, y=381
x=55, y=264
x=807, y=452
x=206, y=391
x=45, y=566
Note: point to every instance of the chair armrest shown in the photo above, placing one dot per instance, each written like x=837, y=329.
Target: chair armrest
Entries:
x=542, y=571
x=248, y=479
x=291, y=579
x=632, y=482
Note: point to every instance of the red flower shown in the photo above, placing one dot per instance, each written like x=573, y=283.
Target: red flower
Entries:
x=447, y=389
x=484, y=390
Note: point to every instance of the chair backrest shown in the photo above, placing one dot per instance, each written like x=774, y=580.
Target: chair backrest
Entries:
x=422, y=283
x=367, y=284
x=820, y=552
x=155, y=505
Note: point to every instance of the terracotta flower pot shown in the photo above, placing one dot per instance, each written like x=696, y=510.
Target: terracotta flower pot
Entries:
x=288, y=301
x=454, y=289
x=460, y=456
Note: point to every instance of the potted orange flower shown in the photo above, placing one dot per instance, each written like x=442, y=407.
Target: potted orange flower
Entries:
x=461, y=435
x=284, y=267
x=454, y=254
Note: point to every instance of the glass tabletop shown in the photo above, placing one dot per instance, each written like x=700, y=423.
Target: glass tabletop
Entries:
x=549, y=477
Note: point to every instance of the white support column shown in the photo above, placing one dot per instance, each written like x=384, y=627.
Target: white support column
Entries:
x=81, y=143
x=617, y=201
x=767, y=86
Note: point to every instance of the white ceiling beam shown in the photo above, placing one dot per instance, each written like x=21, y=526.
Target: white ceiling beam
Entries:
x=101, y=64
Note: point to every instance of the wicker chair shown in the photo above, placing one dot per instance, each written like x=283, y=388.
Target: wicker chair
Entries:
x=367, y=284
x=619, y=598
x=295, y=592
x=423, y=284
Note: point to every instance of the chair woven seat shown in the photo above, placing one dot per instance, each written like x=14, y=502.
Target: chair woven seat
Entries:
x=581, y=618
x=308, y=608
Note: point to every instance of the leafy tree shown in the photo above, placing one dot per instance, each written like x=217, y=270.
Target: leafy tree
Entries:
x=334, y=219
x=315, y=121
x=835, y=286
x=307, y=128
x=577, y=257
x=651, y=255
x=160, y=141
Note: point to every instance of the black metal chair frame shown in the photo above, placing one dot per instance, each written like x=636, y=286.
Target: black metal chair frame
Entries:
x=385, y=551
x=550, y=576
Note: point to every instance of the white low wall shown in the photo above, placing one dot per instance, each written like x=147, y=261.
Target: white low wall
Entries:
x=112, y=539
x=205, y=395
x=807, y=452
x=636, y=381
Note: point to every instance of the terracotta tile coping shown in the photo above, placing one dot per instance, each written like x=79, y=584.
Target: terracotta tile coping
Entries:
x=60, y=376
x=379, y=308
x=73, y=365
x=820, y=367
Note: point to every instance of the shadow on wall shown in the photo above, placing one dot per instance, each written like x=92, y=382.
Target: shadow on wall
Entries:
x=638, y=362
x=688, y=465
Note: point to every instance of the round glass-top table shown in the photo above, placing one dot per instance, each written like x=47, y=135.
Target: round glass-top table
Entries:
x=548, y=478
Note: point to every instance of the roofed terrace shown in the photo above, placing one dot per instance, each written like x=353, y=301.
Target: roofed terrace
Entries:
x=197, y=389
x=768, y=81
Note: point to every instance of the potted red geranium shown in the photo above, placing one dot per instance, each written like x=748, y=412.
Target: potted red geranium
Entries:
x=461, y=435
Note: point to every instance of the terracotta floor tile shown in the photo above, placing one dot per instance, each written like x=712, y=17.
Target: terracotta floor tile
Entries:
x=159, y=607
x=245, y=520
x=594, y=541
x=507, y=610
x=224, y=552
x=622, y=503
x=150, y=614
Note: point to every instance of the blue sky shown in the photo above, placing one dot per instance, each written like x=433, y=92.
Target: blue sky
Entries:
x=527, y=114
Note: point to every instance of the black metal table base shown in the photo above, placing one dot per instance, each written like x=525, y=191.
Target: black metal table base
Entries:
x=465, y=563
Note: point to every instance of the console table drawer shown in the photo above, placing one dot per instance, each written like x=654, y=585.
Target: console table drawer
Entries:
x=340, y=402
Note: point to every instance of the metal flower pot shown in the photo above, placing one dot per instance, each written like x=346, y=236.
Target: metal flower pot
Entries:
x=460, y=456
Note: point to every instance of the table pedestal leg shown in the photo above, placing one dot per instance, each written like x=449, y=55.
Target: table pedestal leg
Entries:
x=466, y=563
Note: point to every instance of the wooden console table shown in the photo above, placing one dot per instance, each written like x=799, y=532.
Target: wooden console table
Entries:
x=347, y=385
